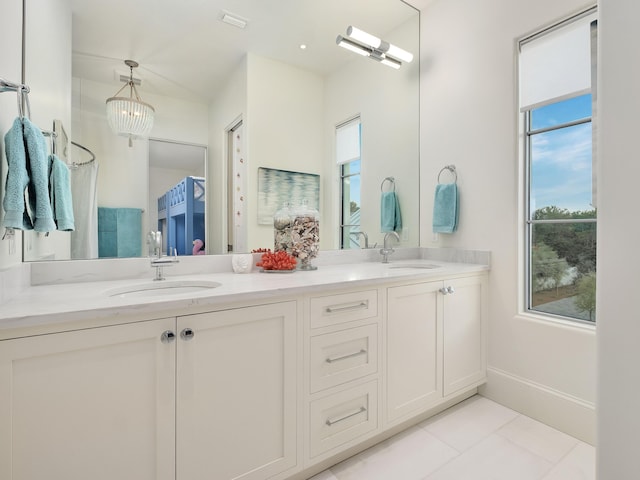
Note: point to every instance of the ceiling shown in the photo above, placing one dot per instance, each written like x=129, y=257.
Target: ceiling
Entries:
x=185, y=51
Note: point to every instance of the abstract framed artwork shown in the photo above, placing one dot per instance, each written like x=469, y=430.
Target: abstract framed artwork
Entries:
x=277, y=187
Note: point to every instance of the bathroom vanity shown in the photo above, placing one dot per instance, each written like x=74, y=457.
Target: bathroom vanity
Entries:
x=266, y=376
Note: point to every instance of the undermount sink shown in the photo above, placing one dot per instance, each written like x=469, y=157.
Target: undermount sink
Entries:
x=426, y=266
x=162, y=288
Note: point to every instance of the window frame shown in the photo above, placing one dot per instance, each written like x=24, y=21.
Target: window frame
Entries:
x=342, y=226
x=526, y=134
x=530, y=222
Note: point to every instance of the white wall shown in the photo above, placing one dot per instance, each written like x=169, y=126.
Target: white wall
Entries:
x=468, y=118
x=229, y=106
x=386, y=101
x=11, y=70
x=284, y=130
x=618, y=233
x=48, y=74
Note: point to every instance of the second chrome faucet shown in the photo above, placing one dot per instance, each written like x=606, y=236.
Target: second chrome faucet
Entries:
x=386, y=249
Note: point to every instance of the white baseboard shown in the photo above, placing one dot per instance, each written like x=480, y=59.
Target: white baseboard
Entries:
x=561, y=411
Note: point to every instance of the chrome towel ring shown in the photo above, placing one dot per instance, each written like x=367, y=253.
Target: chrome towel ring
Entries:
x=393, y=184
x=452, y=169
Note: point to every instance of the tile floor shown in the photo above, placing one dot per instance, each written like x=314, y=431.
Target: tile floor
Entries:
x=475, y=440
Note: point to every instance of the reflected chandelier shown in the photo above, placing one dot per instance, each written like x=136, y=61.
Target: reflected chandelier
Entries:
x=130, y=116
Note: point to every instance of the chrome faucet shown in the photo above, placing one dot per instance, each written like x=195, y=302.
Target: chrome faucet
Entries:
x=154, y=239
x=386, y=249
x=366, y=238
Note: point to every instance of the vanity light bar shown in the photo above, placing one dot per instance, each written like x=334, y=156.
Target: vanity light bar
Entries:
x=375, y=43
x=352, y=46
x=377, y=55
x=363, y=37
x=390, y=62
x=399, y=53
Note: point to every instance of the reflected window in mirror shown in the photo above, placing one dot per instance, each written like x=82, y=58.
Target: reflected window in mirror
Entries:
x=348, y=158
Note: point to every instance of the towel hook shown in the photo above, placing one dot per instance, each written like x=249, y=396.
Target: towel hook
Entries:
x=452, y=169
x=390, y=180
x=22, y=94
x=24, y=90
x=52, y=138
x=20, y=97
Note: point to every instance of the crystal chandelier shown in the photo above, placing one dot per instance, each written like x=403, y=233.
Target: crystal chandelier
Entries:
x=130, y=116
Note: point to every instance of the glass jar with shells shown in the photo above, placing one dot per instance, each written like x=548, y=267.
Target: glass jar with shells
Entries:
x=282, y=221
x=305, y=235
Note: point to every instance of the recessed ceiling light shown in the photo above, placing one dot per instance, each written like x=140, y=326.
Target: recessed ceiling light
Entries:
x=303, y=46
x=233, y=19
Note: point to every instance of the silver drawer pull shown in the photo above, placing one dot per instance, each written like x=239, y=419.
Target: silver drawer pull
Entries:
x=333, y=421
x=346, y=308
x=344, y=357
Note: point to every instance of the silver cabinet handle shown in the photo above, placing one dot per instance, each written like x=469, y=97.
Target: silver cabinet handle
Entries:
x=450, y=289
x=333, y=421
x=345, y=308
x=447, y=290
x=187, y=334
x=167, y=336
x=344, y=357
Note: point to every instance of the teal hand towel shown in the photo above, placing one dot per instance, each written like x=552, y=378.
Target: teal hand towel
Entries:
x=129, y=232
x=390, y=217
x=445, y=208
x=15, y=208
x=38, y=168
x=119, y=232
x=60, y=191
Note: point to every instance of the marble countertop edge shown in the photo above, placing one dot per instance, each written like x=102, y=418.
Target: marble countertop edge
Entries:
x=70, y=303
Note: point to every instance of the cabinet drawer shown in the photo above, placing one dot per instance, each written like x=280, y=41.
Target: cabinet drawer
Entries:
x=340, y=418
x=339, y=357
x=346, y=307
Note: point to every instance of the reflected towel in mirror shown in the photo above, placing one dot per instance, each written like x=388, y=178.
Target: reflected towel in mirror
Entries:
x=390, y=217
x=60, y=191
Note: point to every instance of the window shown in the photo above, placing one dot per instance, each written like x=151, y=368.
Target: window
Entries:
x=348, y=149
x=560, y=201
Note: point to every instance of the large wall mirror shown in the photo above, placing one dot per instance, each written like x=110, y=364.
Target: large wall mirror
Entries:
x=231, y=103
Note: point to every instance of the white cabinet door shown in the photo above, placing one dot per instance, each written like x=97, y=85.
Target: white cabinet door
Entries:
x=465, y=355
x=413, y=359
x=90, y=404
x=237, y=393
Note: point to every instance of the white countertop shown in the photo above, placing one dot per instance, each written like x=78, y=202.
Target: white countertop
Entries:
x=38, y=308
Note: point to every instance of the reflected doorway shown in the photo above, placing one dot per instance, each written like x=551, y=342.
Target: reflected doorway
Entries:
x=236, y=189
x=177, y=193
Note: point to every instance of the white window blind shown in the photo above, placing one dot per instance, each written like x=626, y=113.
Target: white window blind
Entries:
x=348, y=141
x=556, y=65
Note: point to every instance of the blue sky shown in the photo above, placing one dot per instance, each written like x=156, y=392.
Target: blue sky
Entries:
x=561, y=159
